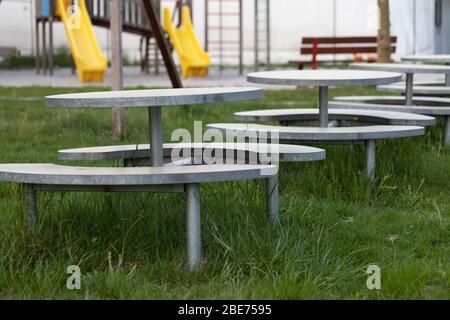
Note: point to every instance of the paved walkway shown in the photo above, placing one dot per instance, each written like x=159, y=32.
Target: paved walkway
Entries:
x=133, y=78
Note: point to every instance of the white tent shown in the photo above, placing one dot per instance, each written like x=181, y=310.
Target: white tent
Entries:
x=412, y=21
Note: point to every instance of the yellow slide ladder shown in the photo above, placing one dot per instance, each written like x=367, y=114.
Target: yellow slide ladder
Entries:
x=90, y=61
x=194, y=61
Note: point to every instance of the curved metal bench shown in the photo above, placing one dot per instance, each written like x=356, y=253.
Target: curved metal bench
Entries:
x=206, y=153
x=429, y=83
x=397, y=100
x=51, y=177
x=434, y=111
x=366, y=134
x=439, y=108
x=337, y=116
x=196, y=151
x=422, y=90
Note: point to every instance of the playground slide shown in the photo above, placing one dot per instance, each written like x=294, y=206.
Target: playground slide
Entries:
x=90, y=62
x=194, y=61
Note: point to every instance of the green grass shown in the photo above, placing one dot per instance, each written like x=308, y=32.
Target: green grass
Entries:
x=133, y=245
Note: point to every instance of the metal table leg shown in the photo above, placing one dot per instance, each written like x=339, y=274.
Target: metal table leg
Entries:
x=323, y=106
x=32, y=212
x=156, y=140
x=370, y=159
x=272, y=198
x=193, y=226
x=409, y=89
x=447, y=80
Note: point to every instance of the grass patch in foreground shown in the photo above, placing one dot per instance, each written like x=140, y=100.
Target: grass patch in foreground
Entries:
x=133, y=245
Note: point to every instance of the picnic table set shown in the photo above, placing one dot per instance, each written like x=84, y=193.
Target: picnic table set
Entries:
x=150, y=167
x=425, y=99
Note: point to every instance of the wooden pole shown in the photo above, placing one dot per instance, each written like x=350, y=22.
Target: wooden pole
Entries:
x=118, y=116
x=384, y=34
x=162, y=44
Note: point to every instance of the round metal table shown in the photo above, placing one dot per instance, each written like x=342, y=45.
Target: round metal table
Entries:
x=154, y=100
x=323, y=79
x=408, y=69
x=431, y=58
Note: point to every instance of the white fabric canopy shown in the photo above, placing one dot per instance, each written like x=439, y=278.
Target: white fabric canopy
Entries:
x=412, y=21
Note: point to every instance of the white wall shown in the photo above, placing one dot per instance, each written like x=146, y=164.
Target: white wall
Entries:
x=16, y=24
x=291, y=20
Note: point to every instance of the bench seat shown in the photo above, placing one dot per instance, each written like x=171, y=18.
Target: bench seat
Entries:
x=309, y=135
x=312, y=134
x=432, y=90
x=52, y=174
x=353, y=115
x=435, y=105
x=186, y=179
x=435, y=111
x=287, y=153
x=242, y=153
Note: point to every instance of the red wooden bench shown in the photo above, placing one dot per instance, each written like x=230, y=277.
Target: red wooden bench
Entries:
x=355, y=46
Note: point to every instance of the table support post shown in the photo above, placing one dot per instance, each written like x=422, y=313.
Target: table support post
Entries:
x=447, y=132
x=447, y=80
x=323, y=106
x=193, y=226
x=272, y=200
x=409, y=89
x=32, y=212
x=370, y=159
x=156, y=139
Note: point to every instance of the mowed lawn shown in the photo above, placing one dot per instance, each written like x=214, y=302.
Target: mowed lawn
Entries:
x=132, y=246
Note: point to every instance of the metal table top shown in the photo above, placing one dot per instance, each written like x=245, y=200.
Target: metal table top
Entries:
x=401, y=67
x=431, y=58
x=153, y=98
x=323, y=78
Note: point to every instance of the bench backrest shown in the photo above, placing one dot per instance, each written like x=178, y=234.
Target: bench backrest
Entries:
x=342, y=45
x=315, y=46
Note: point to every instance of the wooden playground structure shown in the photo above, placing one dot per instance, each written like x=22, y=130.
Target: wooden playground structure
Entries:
x=139, y=17
x=223, y=36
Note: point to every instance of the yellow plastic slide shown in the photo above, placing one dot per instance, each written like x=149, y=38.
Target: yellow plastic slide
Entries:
x=90, y=61
x=194, y=61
